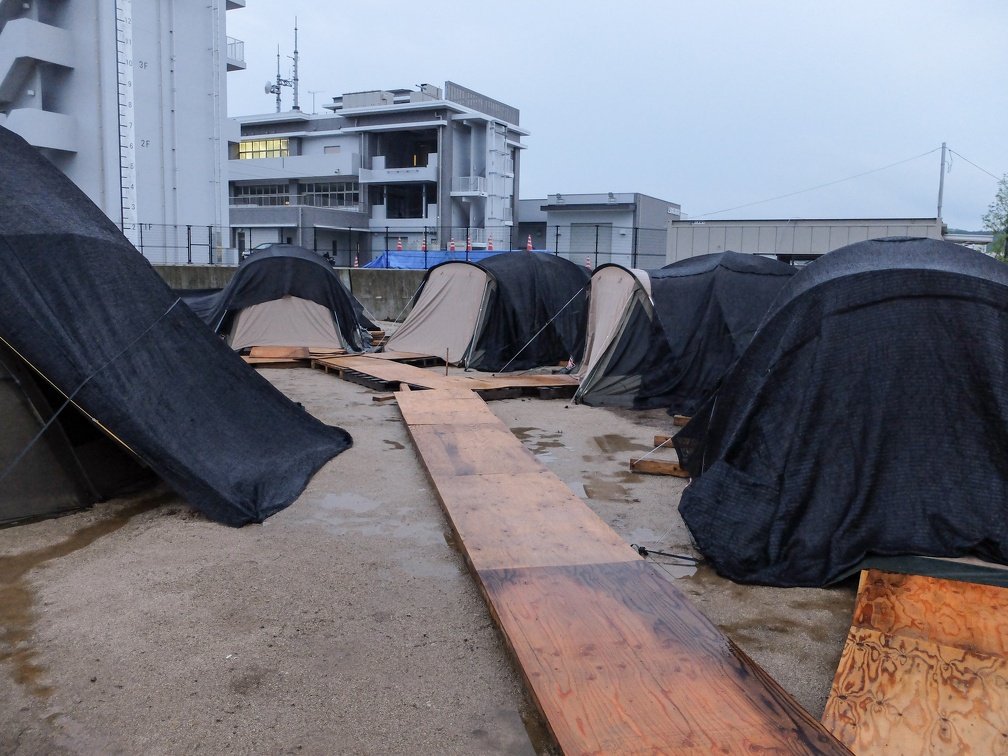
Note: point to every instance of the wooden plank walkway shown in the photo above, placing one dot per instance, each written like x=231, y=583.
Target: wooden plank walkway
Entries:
x=615, y=657
x=384, y=374
x=925, y=668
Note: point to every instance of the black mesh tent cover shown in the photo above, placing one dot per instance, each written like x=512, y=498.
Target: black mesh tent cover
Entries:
x=94, y=322
x=279, y=270
x=534, y=314
x=867, y=418
x=708, y=308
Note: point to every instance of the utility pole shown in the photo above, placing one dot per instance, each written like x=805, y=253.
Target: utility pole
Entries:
x=941, y=183
x=294, y=78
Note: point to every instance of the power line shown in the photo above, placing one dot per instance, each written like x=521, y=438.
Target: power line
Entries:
x=996, y=178
x=821, y=186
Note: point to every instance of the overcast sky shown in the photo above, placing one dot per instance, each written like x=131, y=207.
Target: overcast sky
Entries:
x=713, y=104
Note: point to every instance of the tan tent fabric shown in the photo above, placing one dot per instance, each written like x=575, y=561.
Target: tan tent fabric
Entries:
x=290, y=321
x=444, y=318
x=610, y=296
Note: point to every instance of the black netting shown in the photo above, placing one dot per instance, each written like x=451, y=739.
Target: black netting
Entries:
x=89, y=313
x=537, y=313
x=869, y=416
x=277, y=271
x=707, y=309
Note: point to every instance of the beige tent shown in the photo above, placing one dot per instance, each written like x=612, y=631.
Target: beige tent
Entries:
x=446, y=315
x=285, y=322
x=618, y=299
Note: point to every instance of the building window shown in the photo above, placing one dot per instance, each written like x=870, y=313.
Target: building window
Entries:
x=251, y=149
x=330, y=149
x=331, y=194
x=264, y=195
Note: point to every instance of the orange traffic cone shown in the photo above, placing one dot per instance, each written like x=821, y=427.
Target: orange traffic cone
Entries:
x=468, y=243
x=398, y=244
x=423, y=245
x=355, y=261
x=490, y=244
x=451, y=246
x=528, y=244
x=588, y=263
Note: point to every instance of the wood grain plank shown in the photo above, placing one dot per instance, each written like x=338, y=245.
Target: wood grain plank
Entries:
x=280, y=352
x=526, y=519
x=617, y=658
x=614, y=656
x=924, y=669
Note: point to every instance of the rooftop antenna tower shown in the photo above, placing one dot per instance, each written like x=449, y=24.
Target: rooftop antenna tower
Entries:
x=274, y=88
x=294, y=78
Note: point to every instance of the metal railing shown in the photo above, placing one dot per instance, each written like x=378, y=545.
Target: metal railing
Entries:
x=235, y=49
x=183, y=245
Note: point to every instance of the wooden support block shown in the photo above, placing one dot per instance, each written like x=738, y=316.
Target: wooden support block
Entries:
x=663, y=441
x=280, y=353
x=384, y=397
x=680, y=420
x=657, y=467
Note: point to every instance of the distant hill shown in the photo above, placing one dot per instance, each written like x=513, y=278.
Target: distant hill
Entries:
x=964, y=231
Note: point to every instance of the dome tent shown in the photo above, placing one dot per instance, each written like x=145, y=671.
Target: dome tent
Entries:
x=91, y=320
x=868, y=417
x=673, y=350
x=285, y=295
x=617, y=344
x=511, y=311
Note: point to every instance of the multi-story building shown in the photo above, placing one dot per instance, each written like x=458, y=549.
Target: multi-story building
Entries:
x=128, y=99
x=421, y=168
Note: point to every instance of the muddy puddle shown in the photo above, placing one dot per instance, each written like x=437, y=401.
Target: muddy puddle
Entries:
x=17, y=596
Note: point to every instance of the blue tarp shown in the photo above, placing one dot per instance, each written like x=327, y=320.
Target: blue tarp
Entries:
x=412, y=259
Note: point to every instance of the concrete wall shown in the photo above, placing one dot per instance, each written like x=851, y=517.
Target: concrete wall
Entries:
x=385, y=293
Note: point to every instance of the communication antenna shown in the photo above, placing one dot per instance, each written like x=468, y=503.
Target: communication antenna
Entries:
x=314, y=92
x=272, y=88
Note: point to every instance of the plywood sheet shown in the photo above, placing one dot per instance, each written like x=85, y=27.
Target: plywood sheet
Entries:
x=614, y=656
x=924, y=669
x=527, y=519
x=620, y=662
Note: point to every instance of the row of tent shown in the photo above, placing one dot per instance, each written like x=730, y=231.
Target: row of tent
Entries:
x=853, y=409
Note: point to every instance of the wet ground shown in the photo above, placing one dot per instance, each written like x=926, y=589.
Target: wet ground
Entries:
x=346, y=623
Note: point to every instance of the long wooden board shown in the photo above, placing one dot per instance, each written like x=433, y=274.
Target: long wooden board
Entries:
x=924, y=669
x=389, y=371
x=615, y=657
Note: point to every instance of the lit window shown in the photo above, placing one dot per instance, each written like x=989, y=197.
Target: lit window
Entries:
x=252, y=149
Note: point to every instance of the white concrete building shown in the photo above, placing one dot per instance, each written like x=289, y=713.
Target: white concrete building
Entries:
x=628, y=228
x=128, y=98
x=384, y=168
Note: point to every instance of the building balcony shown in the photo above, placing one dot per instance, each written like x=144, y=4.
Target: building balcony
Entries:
x=44, y=129
x=469, y=186
x=379, y=219
x=294, y=216
x=25, y=43
x=379, y=174
x=232, y=4
x=235, y=54
x=334, y=167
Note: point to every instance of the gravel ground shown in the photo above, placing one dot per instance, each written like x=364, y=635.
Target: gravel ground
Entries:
x=346, y=623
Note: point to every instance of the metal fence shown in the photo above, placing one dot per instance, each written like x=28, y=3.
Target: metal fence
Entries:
x=590, y=244
x=183, y=245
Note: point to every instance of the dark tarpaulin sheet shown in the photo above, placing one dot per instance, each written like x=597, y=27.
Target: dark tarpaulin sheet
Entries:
x=868, y=417
x=708, y=308
x=280, y=270
x=88, y=312
x=539, y=298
